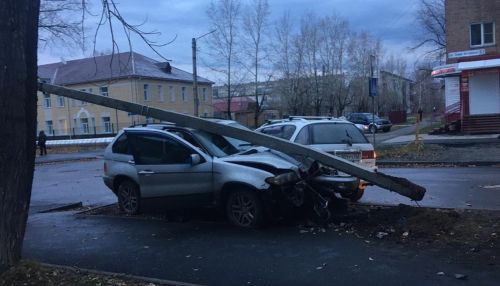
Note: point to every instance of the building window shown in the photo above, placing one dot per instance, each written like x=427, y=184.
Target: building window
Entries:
x=49, y=127
x=106, y=122
x=205, y=95
x=482, y=34
x=160, y=93
x=146, y=92
x=171, y=90
x=104, y=91
x=60, y=101
x=183, y=94
x=46, y=101
x=84, y=125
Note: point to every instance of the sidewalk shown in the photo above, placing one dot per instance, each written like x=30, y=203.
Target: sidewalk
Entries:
x=446, y=139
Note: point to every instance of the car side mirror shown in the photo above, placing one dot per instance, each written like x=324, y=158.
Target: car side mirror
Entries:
x=195, y=159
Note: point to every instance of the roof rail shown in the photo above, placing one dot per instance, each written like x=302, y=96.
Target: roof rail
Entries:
x=295, y=117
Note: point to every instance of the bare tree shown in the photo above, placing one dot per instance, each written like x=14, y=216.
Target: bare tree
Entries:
x=310, y=36
x=223, y=15
x=333, y=53
x=431, y=18
x=255, y=24
x=362, y=48
x=61, y=23
x=289, y=62
x=18, y=86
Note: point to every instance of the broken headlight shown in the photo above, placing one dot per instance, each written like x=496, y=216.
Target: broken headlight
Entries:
x=283, y=179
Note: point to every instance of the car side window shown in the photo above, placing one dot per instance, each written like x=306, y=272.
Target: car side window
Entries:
x=303, y=136
x=158, y=150
x=281, y=131
x=122, y=146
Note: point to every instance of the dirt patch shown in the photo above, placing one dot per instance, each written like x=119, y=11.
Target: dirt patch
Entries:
x=29, y=273
x=471, y=236
x=439, y=152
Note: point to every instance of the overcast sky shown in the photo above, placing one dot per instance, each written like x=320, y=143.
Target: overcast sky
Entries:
x=392, y=21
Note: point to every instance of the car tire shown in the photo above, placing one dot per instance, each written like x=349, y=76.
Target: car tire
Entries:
x=372, y=129
x=129, y=197
x=355, y=195
x=244, y=208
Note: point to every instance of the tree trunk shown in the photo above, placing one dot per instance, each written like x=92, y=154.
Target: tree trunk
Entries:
x=18, y=89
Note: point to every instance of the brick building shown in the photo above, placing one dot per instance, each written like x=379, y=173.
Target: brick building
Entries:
x=126, y=76
x=472, y=72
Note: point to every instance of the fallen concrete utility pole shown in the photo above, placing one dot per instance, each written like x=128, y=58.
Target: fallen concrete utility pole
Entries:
x=395, y=184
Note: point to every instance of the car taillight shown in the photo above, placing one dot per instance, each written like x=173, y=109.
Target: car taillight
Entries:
x=368, y=154
x=105, y=168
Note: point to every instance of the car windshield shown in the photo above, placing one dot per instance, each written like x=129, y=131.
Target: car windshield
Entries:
x=239, y=144
x=336, y=134
x=216, y=145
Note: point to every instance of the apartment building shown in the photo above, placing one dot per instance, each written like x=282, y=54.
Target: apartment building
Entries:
x=472, y=73
x=127, y=76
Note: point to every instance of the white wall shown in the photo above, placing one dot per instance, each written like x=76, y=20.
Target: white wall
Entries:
x=484, y=94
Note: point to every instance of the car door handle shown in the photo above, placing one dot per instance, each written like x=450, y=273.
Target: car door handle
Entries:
x=146, y=172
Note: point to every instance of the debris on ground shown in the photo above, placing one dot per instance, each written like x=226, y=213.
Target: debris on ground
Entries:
x=468, y=235
x=28, y=273
x=460, y=276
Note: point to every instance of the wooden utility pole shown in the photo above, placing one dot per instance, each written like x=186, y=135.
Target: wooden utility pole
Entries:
x=395, y=184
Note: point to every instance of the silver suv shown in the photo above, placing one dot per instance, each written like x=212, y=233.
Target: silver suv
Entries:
x=335, y=136
x=168, y=165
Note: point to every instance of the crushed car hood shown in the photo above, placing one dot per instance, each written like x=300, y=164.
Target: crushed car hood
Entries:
x=263, y=156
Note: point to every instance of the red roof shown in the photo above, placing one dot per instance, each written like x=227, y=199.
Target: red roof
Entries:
x=238, y=104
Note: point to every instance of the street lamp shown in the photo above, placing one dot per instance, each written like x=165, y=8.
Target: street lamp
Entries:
x=195, y=76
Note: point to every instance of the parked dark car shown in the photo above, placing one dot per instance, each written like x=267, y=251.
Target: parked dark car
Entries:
x=365, y=122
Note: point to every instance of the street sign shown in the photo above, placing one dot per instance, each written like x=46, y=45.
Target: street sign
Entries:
x=469, y=53
x=373, y=86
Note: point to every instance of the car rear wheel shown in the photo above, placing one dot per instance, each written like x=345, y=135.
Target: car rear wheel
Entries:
x=244, y=208
x=355, y=195
x=129, y=197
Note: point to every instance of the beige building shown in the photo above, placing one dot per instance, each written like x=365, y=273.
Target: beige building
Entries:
x=126, y=76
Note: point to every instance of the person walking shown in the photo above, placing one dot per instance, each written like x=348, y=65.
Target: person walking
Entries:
x=420, y=112
x=42, y=139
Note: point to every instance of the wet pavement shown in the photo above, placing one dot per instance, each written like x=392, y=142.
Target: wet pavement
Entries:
x=216, y=253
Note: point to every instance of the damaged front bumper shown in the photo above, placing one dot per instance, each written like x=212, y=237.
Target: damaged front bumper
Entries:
x=338, y=184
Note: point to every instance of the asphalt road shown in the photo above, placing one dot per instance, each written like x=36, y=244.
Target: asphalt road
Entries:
x=465, y=187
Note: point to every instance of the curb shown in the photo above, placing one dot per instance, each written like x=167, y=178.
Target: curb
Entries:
x=454, y=163
x=65, y=160
x=120, y=275
x=63, y=207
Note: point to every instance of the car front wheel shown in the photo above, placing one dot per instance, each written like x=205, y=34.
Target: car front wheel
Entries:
x=373, y=129
x=129, y=197
x=244, y=208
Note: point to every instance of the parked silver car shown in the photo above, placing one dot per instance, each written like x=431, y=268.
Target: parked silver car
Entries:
x=169, y=165
x=335, y=136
